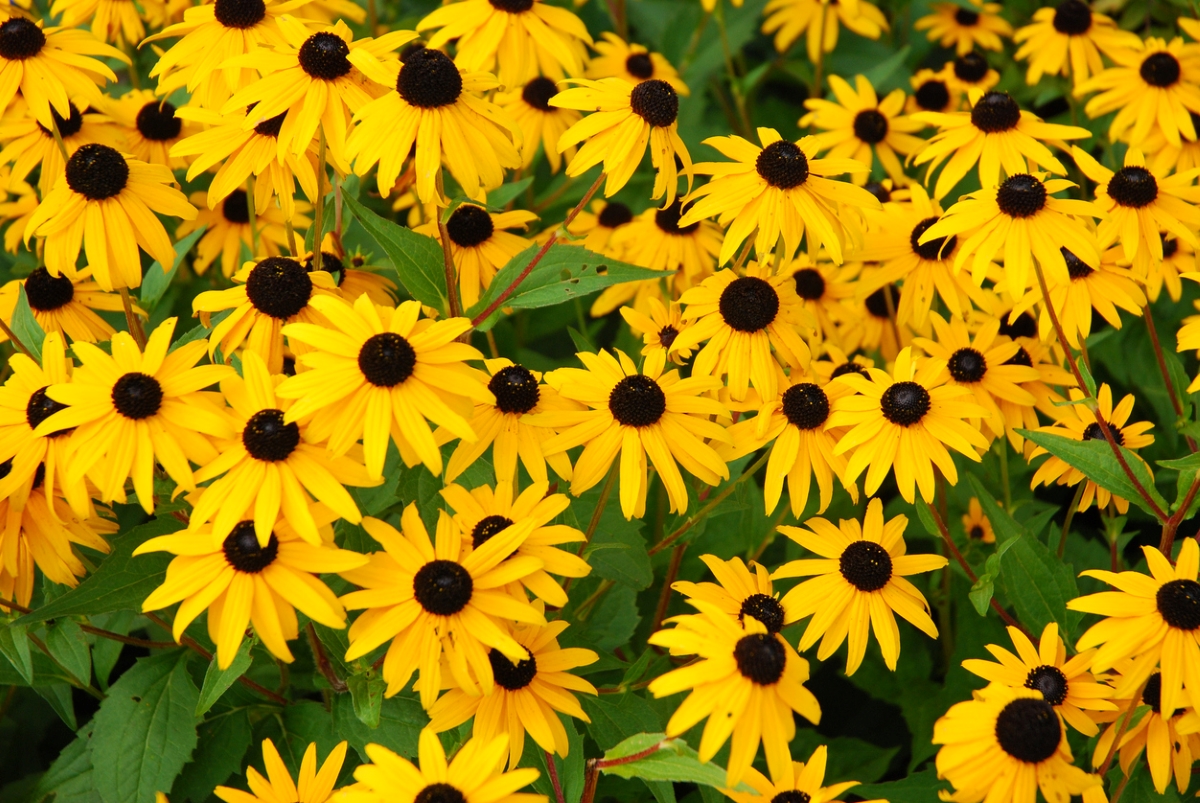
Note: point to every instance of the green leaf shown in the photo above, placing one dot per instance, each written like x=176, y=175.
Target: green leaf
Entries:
x=217, y=681
x=616, y=717
x=14, y=645
x=881, y=74
x=222, y=745
x=26, y=327
x=157, y=279
x=366, y=692
x=1097, y=462
x=58, y=695
x=69, y=778
x=619, y=554
x=417, y=259
x=981, y=592
x=674, y=761
x=1088, y=381
x=919, y=787
x=565, y=272
x=400, y=722
x=70, y=647
x=615, y=619
x=375, y=500
x=121, y=583
x=498, y=198
x=145, y=730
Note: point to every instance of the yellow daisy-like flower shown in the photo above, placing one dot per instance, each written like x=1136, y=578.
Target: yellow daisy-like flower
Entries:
x=1069, y=38
x=132, y=408
x=616, y=58
x=353, y=276
x=873, y=326
x=824, y=290
x=540, y=123
x=1138, y=205
x=903, y=422
x=269, y=294
x=800, y=781
x=1077, y=422
x=62, y=304
x=859, y=585
x=1151, y=620
x=1153, y=86
x=746, y=681
x=625, y=119
x=1170, y=739
x=743, y=319
x=434, y=107
x=636, y=414
x=995, y=134
x=977, y=526
x=969, y=71
x=598, y=225
x=659, y=327
x=314, y=787
x=105, y=203
x=1179, y=258
x=28, y=144
x=818, y=21
x=529, y=695
x=483, y=513
x=1051, y=374
x=516, y=39
x=738, y=592
x=17, y=206
x=474, y=775
x=1003, y=745
x=1019, y=221
x=149, y=127
x=964, y=29
x=377, y=372
x=117, y=21
x=269, y=467
x=244, y=582
x=479, y=244
x=781, y=189
x=433, y=599
x=228, y=228
x=981, y=364
x=932, y=92
x=858, y=125
x=1066, y=685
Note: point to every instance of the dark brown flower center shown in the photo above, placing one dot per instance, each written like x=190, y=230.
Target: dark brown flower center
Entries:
x=967, y=365
x=995, y=112
x=487, y=527
x=1152, y=694
x=965, y=17
x=443, y=587
x=765, y=609
x=515, y=388
x=235, y=209
x=668, y=220
x=1021, y=196
x=655, y=102
x=1169, y=245
x=279, y=287
x=510, y=676
x=47, y=293
x=637, y=401
x=848, y=368
x=667, y=335
x=240, y=13
x=970, y=68
x=1072, y=18
x=136, y=395
x=881, y=193
x=760, y=658
x=267, y=438
x=905, y=403
x=1076, y=267
x=66, y=128
x=1020, y=358
x=429, y=80
x=96, y=171
x=639, y=65
x=937, y=249
x=156, y=121
x=271, y=126
x=933, y=96
x=749, y=304
x=512, y=6
x=441, y=792
x=537, y=93
x=866, y=565
x=870, y=126
x=976, y=533
x=1028, y=730
x=782, y=164
x=1050, y=681
x=1160, y=69
x=20, y=39
x=1022, y=325
x=810, y=285
x=469, y=225
x=40, y=407
x=792, y=796
x=882, y=301
x=244, y=553
x=324, y=56
x=805, y=406
x=616, y=214
x=386, y=360
x=1179, y=604
x=1133, y=187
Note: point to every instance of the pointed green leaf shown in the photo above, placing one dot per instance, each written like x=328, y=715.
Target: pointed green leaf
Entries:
x=217, y=681
x=157, y=279
x=417, y=259
x=26, y=327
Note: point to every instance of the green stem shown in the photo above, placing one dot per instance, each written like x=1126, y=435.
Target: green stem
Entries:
x=682, y=529
x=319, y=217
x=252, y=213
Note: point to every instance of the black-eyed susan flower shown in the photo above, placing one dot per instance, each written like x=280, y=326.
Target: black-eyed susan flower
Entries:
x=1066, y=685
x=976, y=525
x=268, y=295
x=244, y=582
x=28, y=144
x=314, y=786
x=379, y=373
x=353, y=275
x=433, y=106
x=1018, y=222
x=965, y=28
x=823, y=290
x=1179, y=257
x=528, y=697
x=1152, y=86
x=931, y=93
x=969, y=71
x=480, y=245
x=747, y=682
x=598, y=225
x=117, y=21
x=625, y=119
x=1166, y=158
x=104, y=203
x=501, y=424
x=1004, y=744
x=148, y=127
x=744, y=319
x=659, y=327
x=482, y=513
x=903, y=422
x=858, y=125
x=1169, y=738
x=858, y=585
x=1041, y=357
x=995, y=134
x=475, y=774
x=227, y=230
x=135, y=408
x=616, y=58
x=819, y=21
x=515, y=39
x=540, y=123
x=435, y=599
x=739, y=592
x=873, y=326
x=63, y=304
x=781, y=189
x=801, y=781
x=636, y=414
x=1078, y=423
x=1069, y=38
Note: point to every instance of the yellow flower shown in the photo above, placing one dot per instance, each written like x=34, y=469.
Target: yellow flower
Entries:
x=314, y=786
x=1069, y=39
x=616, y=58
x=963, y=28
x=149, y=127
x=598, y=226
x=228, y=229
x=819, y=20
x=540, y=123
x=118, y=21
x=29, y=144
x=659, y=327
x=479, y=244
x=66, y=305
x=977, y=526
x=799, y=781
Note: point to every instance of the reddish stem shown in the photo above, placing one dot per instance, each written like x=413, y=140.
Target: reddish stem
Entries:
x=553, y=770
x=323, y=664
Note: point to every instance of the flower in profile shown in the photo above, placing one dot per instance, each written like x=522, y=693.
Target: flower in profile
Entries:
x=799, y=782
x=116, y=21
x=228, y=230
x=976, y=525
x=616, y=58
x=738, y=592
x=781, y=189
x=659, y=327
x=995, y=134
x=965, y=28
x=474, y=774
x=29, y=144
x=105, y=203
x=818, y=22
x=268, y=294
x=529, y=694
x=378, y=372
x=539, y=122
x=244, y=582
x=483, y=513
x=598, y=226
x=636, y=415
x=747, y=682
x=515, y=39
x=859, y=126
x=904, y=422
x=149, y=127
x=743, y=319
x=858, y=585
x=314, y=786
x=132, y=409
x=1169, y=738
x=1078, y=423
x=625, y=119
x=435, y=600
x=476, y=141
x=1150, y=87
x=62, y=304
x=1003, y=745
x=1069, y=38
x=479, y=244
